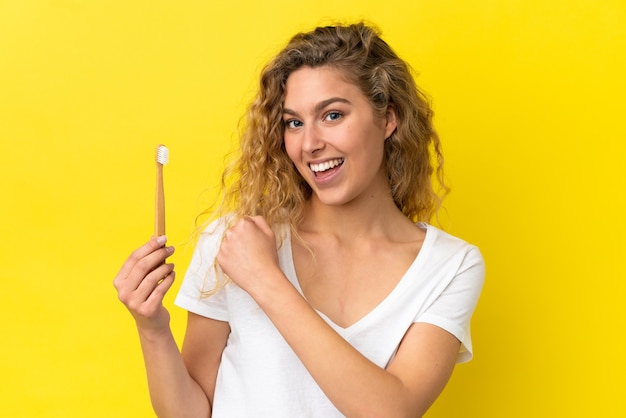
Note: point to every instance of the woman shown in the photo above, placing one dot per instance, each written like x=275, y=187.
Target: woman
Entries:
x=322, y=292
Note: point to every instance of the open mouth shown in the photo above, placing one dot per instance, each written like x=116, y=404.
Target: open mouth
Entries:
x=321, y=168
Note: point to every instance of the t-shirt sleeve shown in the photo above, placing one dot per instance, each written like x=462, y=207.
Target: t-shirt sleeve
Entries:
x=454, y=307
x=201, y=277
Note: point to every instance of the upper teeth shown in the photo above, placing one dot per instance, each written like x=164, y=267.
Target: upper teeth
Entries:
x=326, y=165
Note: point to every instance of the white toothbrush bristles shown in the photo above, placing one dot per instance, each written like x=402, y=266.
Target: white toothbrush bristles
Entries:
x=163, y=155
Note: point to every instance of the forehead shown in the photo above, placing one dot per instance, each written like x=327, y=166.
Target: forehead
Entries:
x=311, y=85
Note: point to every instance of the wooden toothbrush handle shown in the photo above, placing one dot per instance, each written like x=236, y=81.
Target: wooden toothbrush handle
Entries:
x=159, y=210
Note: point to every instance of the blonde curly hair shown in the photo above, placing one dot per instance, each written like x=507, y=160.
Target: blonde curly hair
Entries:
x=264, y=181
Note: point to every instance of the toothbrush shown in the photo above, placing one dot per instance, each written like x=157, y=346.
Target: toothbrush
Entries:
x=162, y=157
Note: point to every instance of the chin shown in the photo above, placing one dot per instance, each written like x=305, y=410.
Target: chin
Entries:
x=333, y=199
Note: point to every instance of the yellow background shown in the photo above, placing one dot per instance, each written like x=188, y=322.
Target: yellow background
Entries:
x=529, y=98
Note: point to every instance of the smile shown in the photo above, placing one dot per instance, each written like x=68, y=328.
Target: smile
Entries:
x=325, y=166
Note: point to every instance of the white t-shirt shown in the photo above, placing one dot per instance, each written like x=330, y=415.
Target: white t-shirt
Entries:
x=259, y=374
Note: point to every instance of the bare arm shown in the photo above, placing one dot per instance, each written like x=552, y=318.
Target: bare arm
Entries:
x=355, y=385
x=204, y=343
x=141, y=283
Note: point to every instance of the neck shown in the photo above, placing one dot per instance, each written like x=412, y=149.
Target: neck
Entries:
x=374, y=217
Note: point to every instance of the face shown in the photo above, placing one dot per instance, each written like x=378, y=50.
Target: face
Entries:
x=333, y=137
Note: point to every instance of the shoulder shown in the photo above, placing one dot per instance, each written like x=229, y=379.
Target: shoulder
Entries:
x=212, y=232
x=206, y=244
x=443, y=238
x=446, y=250
x=443, y=242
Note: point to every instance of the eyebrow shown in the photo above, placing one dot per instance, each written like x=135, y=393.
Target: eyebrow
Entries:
x=321, y=105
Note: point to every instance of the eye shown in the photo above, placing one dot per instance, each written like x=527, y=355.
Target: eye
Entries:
x=333, y=116
x=293, y=124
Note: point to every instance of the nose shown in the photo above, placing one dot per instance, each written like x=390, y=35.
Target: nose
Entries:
x=312, y=141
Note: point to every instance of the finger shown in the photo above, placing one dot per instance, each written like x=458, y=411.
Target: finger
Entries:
x=142, y=268
x=238, y=229
x=152, y=281
x=261, y=223
x=136, y=300
x=154, y=244
x=157, y=295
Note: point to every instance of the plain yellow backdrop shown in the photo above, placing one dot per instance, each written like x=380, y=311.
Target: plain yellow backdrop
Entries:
x=529, y=104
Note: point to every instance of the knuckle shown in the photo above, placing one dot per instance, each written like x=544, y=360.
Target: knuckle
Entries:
x=123, y=296
x=134, y=305
x=143, y=264
x=135, y=255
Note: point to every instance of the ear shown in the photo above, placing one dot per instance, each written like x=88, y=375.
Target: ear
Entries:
x=391, y=120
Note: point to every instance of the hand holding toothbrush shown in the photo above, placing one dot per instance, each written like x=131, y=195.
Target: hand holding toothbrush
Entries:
x=145, y=277
x=143, y=281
